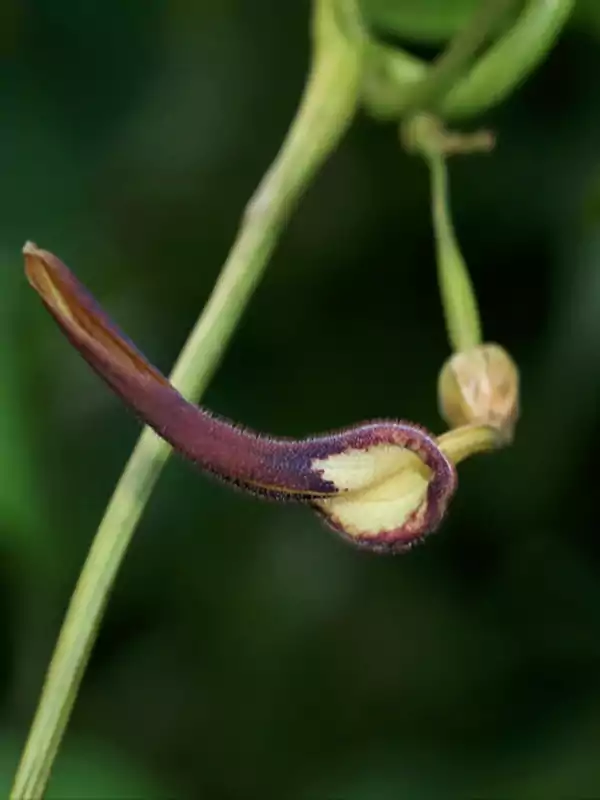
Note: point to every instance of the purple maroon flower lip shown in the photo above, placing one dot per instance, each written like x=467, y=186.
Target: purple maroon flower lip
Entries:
x=383, y=484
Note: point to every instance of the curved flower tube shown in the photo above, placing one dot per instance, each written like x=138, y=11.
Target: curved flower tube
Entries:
x=383, y=485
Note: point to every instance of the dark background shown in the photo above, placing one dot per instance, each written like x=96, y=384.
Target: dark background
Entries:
x=247, y=651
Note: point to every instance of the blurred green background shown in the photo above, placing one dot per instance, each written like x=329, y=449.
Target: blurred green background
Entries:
x=248, y=652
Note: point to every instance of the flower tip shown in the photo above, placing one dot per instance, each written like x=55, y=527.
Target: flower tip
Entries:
x=30, y=248
x=35, y=258
x=47, y=275
x=37, y=262
x=34, y=264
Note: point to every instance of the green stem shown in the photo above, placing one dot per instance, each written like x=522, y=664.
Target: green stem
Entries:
x=327, y=108
x=397, y=83
x=458, y=296
x=469, y=440
x=449, y=67
x=509, y=61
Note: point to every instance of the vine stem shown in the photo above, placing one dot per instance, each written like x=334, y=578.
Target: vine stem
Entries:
x=455, y=60
x=327, y=107
x=466, y=80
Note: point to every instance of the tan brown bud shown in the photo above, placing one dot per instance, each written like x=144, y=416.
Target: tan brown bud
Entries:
x=480, y=387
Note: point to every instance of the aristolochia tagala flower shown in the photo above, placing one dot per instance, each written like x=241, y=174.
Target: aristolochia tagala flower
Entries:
x=383, y=485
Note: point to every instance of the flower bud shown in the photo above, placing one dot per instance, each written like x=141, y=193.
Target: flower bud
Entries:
x=480, y=387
